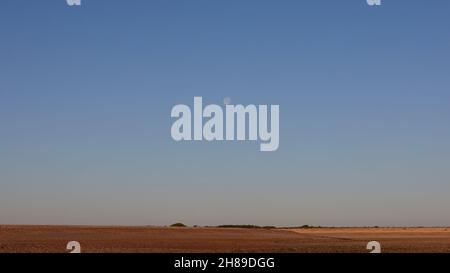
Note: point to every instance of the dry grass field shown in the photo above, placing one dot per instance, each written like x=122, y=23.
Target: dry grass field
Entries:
x=54, y=239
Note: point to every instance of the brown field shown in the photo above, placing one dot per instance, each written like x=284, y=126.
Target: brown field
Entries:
x=225, y=240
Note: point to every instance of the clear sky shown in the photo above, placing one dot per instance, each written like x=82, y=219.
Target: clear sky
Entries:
x=86, y=94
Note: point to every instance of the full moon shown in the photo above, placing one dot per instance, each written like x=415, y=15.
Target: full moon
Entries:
x=226, y=101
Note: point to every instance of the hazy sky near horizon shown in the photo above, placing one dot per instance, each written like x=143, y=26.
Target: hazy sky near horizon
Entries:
x=86, y=94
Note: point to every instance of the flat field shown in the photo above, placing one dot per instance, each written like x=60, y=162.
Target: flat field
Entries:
x=41, y=239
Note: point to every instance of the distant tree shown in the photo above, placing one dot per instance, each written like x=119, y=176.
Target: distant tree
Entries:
x=178, y=225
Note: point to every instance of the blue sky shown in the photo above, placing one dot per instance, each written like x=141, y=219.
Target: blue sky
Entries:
x=86, y=94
